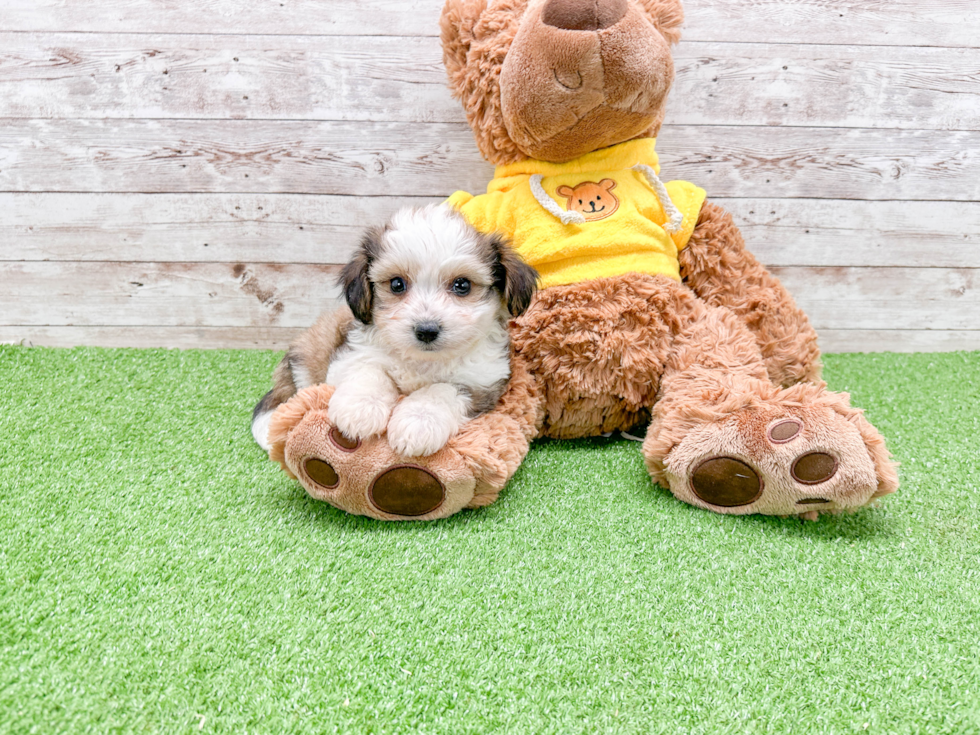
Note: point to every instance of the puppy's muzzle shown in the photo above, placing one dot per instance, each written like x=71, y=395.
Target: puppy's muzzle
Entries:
x=427, y=332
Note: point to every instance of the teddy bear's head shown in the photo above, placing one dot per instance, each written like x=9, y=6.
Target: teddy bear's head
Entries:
x=556, y=79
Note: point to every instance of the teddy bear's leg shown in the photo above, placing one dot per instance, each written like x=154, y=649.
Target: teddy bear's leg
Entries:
x=369, y=478
x=723, y=437
x=718, y=268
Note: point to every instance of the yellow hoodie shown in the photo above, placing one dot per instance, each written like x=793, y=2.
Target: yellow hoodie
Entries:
x=620, y=227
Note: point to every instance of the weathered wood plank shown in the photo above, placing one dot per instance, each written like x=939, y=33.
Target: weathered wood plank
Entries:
x=96, y=75
x=366, y=159
x=401, y=79
x=900, y=22
x=299, y=228
x=259, y=228
x=830, y=232
x=434, y=159
x=886, y=298
x=834, y=86
x=823, y=162
x=897, y=340
x=287, y=295
x=146, y=295
x=185, y=338
x=872, y=22
x=278, y=338
x=296, y=17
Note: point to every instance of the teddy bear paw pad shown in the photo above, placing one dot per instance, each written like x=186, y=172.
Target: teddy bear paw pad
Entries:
x=767, y=462
x=366, y=477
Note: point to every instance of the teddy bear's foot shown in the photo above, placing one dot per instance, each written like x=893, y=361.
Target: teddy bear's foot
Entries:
x=798, y=451
x=365, y=477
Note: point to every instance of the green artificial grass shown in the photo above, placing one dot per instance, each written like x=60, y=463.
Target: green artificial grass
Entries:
x=159, y=574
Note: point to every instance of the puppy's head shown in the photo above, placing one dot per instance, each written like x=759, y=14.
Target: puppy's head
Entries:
x=432, y=286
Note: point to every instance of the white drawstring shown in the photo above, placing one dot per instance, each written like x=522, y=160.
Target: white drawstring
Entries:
x=676, y=218
x=566, y=217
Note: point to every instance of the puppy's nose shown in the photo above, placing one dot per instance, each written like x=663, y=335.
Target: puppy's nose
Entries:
x=583, y=15
x=427, y=332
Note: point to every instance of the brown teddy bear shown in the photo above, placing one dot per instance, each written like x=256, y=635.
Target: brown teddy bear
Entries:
x=651, y=309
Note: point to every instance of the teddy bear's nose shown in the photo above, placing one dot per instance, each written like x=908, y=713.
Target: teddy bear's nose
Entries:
x=583, y=15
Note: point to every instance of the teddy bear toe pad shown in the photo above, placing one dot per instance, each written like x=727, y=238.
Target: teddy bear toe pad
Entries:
x=814, y=468
x=321, y=473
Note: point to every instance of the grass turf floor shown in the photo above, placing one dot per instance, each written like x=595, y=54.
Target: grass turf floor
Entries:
x=160, y=574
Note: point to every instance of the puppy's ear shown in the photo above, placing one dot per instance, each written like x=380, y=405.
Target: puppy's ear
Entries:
x=512, y=277
x=456, y=25
x=358, y=289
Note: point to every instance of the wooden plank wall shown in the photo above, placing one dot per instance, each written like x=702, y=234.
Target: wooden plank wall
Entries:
x=189, y=173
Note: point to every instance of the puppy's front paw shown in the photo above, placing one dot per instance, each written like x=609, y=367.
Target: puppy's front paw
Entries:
x=418, y=430
x=358, y=416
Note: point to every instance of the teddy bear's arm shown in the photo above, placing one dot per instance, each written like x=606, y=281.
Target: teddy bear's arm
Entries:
x=717, y=266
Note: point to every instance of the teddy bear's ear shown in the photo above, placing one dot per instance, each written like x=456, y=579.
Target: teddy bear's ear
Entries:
x=456, y=24
x=475, y=40
x=667, y=16
x=607, y=184
x=565, y=191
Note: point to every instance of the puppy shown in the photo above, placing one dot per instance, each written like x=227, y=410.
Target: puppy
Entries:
x=424, y=345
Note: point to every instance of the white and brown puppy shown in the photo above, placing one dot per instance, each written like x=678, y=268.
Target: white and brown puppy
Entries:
x=424, y=347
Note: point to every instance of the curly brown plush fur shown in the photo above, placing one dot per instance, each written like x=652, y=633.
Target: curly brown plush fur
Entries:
x=717, y=266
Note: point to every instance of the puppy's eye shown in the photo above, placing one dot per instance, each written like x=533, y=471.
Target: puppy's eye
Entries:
x=397, y=285
x=461, y=286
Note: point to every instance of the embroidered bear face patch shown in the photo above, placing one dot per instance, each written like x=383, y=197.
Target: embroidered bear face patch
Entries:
x=594, y=201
